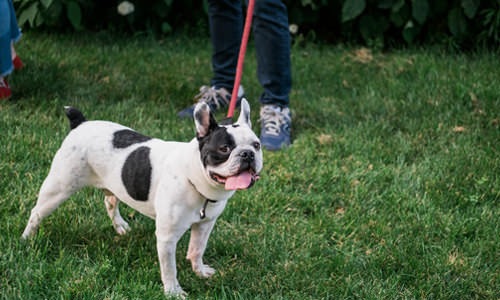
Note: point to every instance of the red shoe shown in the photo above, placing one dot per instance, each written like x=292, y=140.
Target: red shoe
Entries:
x=5, y=91
x=18, y=64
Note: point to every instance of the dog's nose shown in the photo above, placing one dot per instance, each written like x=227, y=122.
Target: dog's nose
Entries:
x=247, y=155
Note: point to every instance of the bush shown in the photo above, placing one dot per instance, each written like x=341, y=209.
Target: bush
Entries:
x=157, y=16
x=461, y=23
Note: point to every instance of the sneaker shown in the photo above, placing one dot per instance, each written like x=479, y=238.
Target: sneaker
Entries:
x=18, y=63
x=215, y=98
x=5, y=91
x=275, y=126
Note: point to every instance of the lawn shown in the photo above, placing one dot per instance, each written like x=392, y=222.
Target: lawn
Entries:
x=391, y=189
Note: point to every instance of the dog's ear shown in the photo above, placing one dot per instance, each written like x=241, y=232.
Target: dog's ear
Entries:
x=204, y=120
x=244, y=117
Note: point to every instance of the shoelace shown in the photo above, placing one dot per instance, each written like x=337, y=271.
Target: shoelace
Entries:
x=3, y=83
x=273, y=118
x=215, y=97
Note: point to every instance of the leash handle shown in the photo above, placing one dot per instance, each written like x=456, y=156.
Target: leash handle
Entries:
x=241, y=58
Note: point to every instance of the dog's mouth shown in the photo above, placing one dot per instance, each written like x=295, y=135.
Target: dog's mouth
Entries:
x=240, y=181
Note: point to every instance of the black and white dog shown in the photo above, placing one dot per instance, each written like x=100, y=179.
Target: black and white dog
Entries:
x=180, y=185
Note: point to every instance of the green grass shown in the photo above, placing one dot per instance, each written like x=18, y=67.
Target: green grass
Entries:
x=390, y=191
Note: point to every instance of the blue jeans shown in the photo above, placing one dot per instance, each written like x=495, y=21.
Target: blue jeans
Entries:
x=9, y=32
x=272, y=46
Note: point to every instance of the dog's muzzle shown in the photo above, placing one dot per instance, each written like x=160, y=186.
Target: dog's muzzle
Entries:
x=244, y=178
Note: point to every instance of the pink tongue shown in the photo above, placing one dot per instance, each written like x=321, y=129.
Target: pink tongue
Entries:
x=239, y=182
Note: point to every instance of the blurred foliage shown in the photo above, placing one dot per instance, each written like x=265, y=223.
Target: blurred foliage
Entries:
x=376, y=23
x=154, y=16
x=461, y=23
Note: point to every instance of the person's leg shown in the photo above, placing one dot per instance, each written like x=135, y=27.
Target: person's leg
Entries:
x=6, y=66
x=272, y=46
x=15, y=35
x=15, y=31
x=226, y=24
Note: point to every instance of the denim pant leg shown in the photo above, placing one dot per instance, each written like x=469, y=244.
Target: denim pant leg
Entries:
x=9, y=32
x=272, y=45
x=226, y=23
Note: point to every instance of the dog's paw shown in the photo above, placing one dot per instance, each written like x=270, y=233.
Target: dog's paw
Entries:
x=27, y=234
x=174, y=290
x=204, y=271
x=121, y=227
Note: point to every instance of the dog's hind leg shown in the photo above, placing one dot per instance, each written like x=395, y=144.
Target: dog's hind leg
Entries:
x=111, y=202
x=51, y=195
x=68, y=173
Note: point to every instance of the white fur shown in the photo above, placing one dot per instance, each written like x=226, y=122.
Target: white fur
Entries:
x=180, y=186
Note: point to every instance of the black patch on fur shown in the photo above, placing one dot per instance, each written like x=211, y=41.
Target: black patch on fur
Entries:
x=210, y=146
x=126, y=137
x=75, y=117
x=136, y=173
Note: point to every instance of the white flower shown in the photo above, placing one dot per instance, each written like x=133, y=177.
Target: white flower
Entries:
x=125, y=8
x=293, y=28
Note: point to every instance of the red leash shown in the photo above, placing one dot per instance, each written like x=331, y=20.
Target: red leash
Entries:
x=241, y=58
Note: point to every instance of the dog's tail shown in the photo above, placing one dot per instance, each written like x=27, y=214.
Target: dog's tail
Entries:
x=75, y=116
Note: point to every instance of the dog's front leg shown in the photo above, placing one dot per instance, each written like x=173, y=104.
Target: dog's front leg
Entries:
x=166, y=243
x=166, y=255
x=197, y=245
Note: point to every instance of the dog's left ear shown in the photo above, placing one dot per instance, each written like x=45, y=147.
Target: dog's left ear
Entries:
x=244, y=117
x=204, y=120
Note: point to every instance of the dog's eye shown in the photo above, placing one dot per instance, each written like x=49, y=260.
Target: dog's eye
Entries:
x=224, y=149
x=256, y=145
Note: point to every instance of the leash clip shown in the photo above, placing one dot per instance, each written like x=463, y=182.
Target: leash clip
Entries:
x=204, y=208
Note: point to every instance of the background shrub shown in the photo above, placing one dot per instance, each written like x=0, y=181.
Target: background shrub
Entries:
x=461, y=23
x=382, y=23
x=156, y=16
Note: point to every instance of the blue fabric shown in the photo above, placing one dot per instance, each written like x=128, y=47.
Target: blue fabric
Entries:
x=9, y=32
x=272, y=46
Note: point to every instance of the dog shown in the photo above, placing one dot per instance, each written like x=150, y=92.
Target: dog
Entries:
x=181, y=185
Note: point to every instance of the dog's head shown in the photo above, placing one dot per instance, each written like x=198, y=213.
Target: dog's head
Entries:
x=231, y=154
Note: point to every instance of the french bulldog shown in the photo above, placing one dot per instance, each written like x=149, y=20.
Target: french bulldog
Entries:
x=181, y=185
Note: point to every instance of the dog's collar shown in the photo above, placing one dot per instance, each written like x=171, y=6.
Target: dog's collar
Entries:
x=204, y=208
